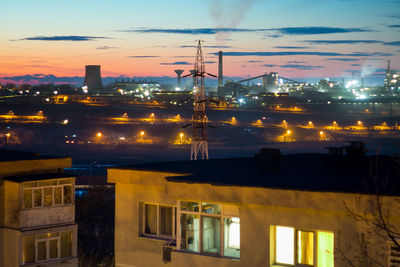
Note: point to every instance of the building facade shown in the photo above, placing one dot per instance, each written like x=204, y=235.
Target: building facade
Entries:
x=229, y=213
x=37, y=211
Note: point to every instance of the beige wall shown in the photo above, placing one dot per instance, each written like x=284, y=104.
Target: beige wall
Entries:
x=260, y=208
x=9, y=247
x=11, y=204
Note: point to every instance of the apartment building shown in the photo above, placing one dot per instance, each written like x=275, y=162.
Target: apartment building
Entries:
x=294, y=210
x=37, y=211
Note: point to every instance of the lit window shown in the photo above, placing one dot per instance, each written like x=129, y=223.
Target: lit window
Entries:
x=206, y=229
x=284, y=245
x=47, y=193
x=158, y=220
x=47, y=246
x=308, y=246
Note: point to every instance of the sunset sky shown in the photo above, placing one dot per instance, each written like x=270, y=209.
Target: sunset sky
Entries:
x=297, y=38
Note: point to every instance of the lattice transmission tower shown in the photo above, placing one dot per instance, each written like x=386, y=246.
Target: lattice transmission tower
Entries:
x=199, y=118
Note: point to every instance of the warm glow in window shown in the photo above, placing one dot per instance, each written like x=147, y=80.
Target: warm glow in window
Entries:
x=284, y=245
x=325, y=249
x=305, y=247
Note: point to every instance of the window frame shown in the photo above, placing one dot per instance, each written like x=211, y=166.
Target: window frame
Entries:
x=47, y=241
x=201, y=215
x=296, y=246
x=158, y=224
x=60, y=183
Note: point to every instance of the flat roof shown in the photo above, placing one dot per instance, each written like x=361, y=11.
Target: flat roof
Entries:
x=38, y=177
x=308, y=172
x=15, y=155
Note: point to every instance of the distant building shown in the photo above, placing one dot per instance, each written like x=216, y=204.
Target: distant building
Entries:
x=270, y=210
x=37, y=211
x=392, y=82
x=92, y=82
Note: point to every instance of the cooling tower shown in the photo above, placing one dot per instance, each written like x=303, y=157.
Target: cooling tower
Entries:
x=93, y=78
x=220, y=75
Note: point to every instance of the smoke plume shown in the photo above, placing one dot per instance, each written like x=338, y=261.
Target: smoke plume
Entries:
x=228, y=14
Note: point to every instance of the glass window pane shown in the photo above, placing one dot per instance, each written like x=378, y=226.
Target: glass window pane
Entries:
x=284, y=245
x=66, y=244
x=53, y=251
x=150, y=219
x=28, y=254
x=29, y=184
x=41, y=250
x=190, y=206
x=67, y=194
x=37, y=197
x=48, y=196
x=210, y=208
x=57, y=195
x=325, y=249
x=232, y=237
x=211, y=234
x=53, y=234
x=166, y=220
x=190, y=225
x=27, y=204
x=305, y=247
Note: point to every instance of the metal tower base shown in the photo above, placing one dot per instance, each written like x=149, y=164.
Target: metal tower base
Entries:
x=199, y=146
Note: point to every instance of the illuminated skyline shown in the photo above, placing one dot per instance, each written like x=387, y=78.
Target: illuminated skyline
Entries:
x=297, y=38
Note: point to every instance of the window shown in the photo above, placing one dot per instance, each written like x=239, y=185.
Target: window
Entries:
x=209, y=228
x=47, y=246
x=303, y=247
x=47, y=193
x=158, y=220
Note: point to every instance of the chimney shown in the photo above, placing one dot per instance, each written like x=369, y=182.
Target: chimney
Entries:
x=178, y=82
x=220, y=73
x=388, y=66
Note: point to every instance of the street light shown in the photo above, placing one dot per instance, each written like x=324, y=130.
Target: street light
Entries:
x=8, y=138
x=98, y=137
x=141, y=135
x=181, y=137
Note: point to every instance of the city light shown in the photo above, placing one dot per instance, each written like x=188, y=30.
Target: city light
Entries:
x=99, y=135
x=181, y=137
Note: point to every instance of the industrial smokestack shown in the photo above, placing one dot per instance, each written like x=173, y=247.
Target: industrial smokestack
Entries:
x=93, y=78
x=178, y=82
x=220, y=74
x=388, y=66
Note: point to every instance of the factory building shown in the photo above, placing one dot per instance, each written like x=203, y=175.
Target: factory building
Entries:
x=138, y=88
x=270, y=210
x=392, y=81
x=92, y=83
x=37, y=211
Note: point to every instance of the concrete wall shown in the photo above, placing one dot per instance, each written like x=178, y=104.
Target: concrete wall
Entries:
x=260, y=208
x=47, y=216
x=9, y=247
x=10, y=168
x=11, y=204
